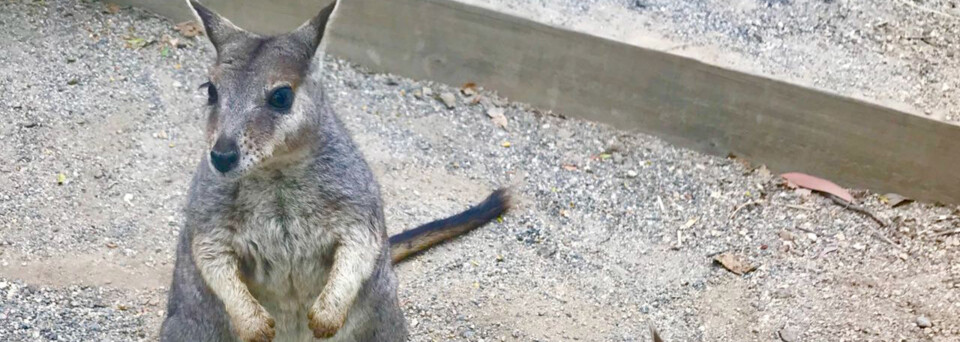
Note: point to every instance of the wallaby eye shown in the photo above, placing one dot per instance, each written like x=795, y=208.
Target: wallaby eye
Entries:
x=281, y=98
x=212, y=95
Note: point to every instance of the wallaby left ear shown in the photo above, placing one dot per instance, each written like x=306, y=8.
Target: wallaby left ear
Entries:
x=311, y=32
x=220, y=30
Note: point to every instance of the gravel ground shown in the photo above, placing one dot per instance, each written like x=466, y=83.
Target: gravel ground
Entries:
x=614, y=229
x=896, y=52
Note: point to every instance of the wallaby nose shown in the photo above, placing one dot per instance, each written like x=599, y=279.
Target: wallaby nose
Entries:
x=225, y=155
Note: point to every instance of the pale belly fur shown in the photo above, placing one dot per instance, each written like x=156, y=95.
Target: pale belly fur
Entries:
x=285, y=264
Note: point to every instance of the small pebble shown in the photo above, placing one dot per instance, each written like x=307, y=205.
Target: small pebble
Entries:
x=788, y=334
x=924, y=322
x=448, y=100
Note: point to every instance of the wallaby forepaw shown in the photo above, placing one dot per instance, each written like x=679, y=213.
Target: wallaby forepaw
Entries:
x=324, y=325
x=256, y=328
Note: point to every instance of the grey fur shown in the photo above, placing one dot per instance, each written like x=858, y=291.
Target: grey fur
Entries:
x=301, y=206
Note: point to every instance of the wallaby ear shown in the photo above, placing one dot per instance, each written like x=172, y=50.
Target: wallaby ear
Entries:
x=219, y=29
x=311, y=32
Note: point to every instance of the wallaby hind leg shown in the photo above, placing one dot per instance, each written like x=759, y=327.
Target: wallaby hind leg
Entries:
x=193, y=312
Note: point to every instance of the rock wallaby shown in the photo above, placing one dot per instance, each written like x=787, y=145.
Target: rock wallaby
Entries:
x=284, y=238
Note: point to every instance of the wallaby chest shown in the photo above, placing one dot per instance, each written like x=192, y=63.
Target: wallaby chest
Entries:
x=283, y=235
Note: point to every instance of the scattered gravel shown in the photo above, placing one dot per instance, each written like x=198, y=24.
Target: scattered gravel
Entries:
x=900, y=53
x=614, y=229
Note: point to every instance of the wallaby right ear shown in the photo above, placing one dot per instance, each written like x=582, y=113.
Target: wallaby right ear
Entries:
x=311, y=32
x=220, y=30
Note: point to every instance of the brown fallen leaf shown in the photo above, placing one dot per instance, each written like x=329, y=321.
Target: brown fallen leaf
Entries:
x=796, y=179
x=894, y=200
x=113, y=8
x=734, y=263
x=189, y=29
x=469, y=89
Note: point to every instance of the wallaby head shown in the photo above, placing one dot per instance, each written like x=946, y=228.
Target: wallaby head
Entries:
x=260, y=110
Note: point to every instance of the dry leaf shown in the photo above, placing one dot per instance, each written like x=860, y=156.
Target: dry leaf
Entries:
x=894, y=200
x=813, y=183
x=469, y=89
x=189, y=29
x=569, y=167
x=764, y=172
x=733, y=263
x=497, y=117
x=690, y=223
x=113, y=8
x=136, y=43
x=505, y=144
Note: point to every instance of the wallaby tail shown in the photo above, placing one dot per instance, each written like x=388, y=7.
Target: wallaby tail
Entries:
x=418, y=239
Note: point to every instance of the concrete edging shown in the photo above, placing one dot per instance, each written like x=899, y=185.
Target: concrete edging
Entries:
x=682, y=100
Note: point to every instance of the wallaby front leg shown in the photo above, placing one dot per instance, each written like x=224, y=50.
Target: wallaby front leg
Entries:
x=353, y=263
x=218, y=266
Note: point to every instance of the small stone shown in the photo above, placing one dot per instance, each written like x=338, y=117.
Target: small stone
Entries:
x=128, y=198
x=468, y=334
x=924, y=322
x=789, y=335
x=448, y=100
x=632, y=174
x=73, y=81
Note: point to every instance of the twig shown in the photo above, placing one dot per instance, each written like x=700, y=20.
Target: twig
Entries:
x=734, y=214
x=865, y=212
x=826, y=250
x=799, y=207
x=948, y=232
x=924, y=9
x=679, y=240
x=805, y=230
x=856, y=208
x=653, y=333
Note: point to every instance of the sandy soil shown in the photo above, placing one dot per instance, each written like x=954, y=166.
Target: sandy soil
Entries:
x=614, y=229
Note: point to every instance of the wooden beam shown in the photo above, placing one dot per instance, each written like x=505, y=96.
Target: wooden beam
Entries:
x=680, y=99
